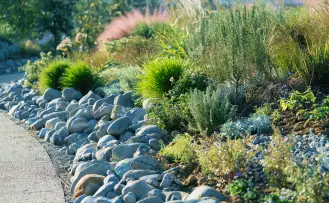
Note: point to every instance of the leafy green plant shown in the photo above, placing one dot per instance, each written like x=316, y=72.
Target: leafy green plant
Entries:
x=33, y=70
x=276, y=115
x=275, y=198
x=277, y=160
x=143, y=30
x=298, y=100
x=265, y=109
x=223, y=158
x=244, y=188
x=310, y=185
x=210, y=109
x=80, y=77
x=180, y=150
x=170, y=114
x=189, y=81
x=159, y=77
x=51, y=75
x=244, y=126
x=230, y=45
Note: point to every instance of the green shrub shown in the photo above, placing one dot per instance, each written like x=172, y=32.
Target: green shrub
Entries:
x=33, y=70
x=143, y=30
x=277, y=161
x=50, y=76
x=300, y=45
x=80, y=77
x=210, y=109
x=109, y=90
x=159, y=77
x=244, y=188
x=298, y=100
x=170, y=114
x=231, y=45
x=189, y=81
x=223, y=158
x=180, y=150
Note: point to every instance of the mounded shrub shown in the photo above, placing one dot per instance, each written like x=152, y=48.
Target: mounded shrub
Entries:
x=159, y=77
x=210, y=109
x=80, y=77
x=51, y=75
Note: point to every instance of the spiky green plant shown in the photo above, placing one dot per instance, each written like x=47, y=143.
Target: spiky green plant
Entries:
x=51, y=75
x=80, y=77
x=159, y=77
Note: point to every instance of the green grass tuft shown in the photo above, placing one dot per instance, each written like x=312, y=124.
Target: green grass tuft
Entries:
x=80, y=77
x=50, y=76
x=159, y=77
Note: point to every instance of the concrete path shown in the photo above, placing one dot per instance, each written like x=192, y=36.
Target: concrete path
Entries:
x=27, y=174
x=6, y=78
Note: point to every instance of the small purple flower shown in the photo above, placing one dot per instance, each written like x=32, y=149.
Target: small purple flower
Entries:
x=289, y=73
x=239, y=174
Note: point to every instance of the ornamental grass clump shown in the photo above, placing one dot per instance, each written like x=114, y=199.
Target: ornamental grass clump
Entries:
x=50, y=76
x=160, y=74
x=80, y=77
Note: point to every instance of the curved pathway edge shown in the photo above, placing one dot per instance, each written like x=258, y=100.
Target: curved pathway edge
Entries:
x=26, y=171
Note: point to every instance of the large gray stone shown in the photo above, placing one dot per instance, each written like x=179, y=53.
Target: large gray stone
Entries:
x=137, y=174
x=101, y=128
x=78, y=125
x=70, y=94
x=43, y=132
x=129, y=198
x=59, y=136
x=137, y=114
x=150, y=129
x=119, y=126
x=167, y=180
x=123, y=167
x=106, y=190
x=52, y=123
x=91, y=199
x=72, y=106
x=51, y=94
x=108, y=100
x=104, y=140
x=103, y=110
x=89, y=95
x=145, y=162
x=126, y=136
x=93, y=167
x=151, y=200
x=124, y=100
x=104, y=154
x=124, y=151
x=139, y=188
x=205, y=191
x=41, y=122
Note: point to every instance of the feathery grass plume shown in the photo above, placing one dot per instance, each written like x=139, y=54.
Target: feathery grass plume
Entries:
x=124, y=25
x=51, y=75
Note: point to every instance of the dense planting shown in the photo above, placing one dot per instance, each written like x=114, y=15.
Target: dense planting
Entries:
x=234, y=97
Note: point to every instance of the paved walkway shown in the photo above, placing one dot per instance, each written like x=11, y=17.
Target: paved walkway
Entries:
x=27, y=174
x=6, y=78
